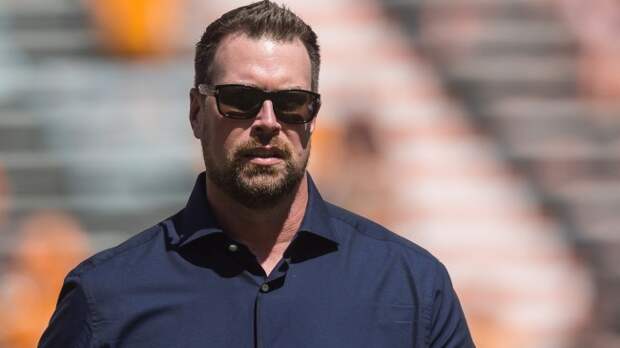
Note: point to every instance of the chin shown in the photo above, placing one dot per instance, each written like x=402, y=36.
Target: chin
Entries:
x=261, y=182
x=254, y=185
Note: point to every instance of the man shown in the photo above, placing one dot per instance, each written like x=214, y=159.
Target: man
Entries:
x=257, y=258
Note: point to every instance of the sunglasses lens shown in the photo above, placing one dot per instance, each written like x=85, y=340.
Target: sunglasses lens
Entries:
x=295, y=106
x=244, y=102
x=239, y=101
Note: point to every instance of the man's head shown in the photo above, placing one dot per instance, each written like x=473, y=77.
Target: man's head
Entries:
x=257, y=20
x=260, y=159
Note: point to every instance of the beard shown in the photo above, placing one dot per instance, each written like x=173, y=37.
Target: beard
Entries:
x=256, y=186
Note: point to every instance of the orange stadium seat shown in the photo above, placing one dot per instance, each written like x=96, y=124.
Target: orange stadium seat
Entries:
x=137, y=27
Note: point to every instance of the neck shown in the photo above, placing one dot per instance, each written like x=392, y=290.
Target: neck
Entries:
x=267, y=232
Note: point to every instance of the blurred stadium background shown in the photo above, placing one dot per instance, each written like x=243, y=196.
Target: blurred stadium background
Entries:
x=486, y=130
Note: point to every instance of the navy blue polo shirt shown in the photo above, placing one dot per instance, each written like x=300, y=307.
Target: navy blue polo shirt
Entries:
x=344, y=281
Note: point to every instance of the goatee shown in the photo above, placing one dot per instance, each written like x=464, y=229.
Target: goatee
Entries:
x=256, y=186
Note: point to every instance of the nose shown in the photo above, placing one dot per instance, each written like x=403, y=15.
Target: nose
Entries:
x=266, y=124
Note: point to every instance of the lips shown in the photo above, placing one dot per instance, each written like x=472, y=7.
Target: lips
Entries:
x=264, y=152
x=264, y=156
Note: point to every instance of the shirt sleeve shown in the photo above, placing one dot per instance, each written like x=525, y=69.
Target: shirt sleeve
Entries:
x=70, y=325
x=448, y=325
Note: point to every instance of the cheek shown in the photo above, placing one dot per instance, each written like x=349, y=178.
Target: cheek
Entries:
x=217, y=131
x=213, y=139
x=224, y=140
x=299, y=139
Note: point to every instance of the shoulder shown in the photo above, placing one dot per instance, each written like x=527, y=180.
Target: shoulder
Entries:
x=349, y=225
x=90, y=288
x=117, y=258
x=376, y=248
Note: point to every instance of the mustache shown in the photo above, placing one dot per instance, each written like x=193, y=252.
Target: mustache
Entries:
x=254, y=148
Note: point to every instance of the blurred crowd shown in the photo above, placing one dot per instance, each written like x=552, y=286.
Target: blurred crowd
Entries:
x=37, y=251
x=596, y=26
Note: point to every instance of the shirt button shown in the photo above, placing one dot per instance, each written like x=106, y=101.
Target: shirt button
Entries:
x=264, y=287
x=233, y=247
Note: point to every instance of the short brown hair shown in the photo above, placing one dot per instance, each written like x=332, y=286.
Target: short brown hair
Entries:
x=260, y=19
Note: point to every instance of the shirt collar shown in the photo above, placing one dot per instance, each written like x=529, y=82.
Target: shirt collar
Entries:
x=197, y=219
x=316, y=219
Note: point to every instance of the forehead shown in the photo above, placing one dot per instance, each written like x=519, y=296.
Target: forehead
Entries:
x=264, y=61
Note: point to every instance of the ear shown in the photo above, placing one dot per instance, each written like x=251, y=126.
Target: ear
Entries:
x=196, y=119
